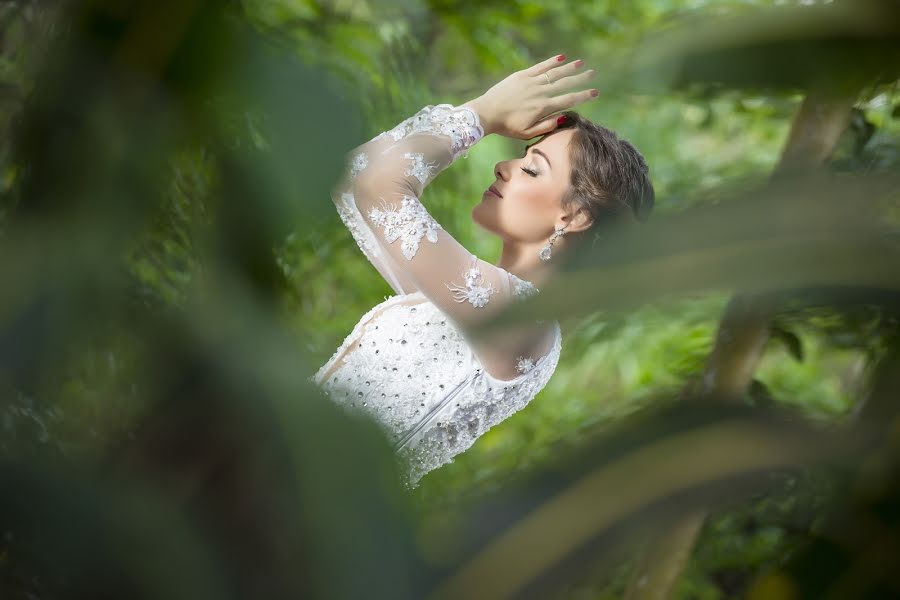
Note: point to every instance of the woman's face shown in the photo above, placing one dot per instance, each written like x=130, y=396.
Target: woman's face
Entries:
x=532, y=188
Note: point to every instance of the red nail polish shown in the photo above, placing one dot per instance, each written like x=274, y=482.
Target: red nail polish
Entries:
x=561, y=57
x=594, y=92
x=561, y=120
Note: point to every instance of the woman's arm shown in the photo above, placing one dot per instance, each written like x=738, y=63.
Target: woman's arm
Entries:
x=385, y=180
x=394, y=160
x=386, y=177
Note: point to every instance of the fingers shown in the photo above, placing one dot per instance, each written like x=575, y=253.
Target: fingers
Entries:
x=573, y=80
x=564, y=71
x=541, y=127
x=561, y=76
x=567, y=101
x=545, y=65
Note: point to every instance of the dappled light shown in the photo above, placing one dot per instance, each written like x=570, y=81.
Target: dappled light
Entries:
x=722, y=421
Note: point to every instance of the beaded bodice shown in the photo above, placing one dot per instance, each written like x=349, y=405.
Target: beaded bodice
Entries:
x=412, y=371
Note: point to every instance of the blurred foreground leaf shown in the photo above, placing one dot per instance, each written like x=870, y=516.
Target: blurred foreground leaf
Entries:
x=836, y=45
x=545, y=527
x=790, y=234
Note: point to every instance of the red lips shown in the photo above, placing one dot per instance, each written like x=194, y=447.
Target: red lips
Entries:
x=494, y=190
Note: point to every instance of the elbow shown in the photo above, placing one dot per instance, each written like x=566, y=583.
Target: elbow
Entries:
x=380, y=185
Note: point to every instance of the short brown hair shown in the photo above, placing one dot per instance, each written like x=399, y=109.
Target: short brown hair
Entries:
x=610, y=179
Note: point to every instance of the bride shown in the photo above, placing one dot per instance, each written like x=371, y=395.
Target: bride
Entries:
x=411, y=362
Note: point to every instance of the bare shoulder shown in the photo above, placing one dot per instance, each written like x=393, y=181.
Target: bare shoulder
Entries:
x=500, y=356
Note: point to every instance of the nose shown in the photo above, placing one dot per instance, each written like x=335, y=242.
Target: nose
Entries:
x=500, y=169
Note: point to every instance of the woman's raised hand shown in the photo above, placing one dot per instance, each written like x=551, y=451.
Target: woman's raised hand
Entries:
x=523, y=105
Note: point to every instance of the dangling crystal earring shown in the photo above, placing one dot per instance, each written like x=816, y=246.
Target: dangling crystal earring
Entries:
x=545, y=251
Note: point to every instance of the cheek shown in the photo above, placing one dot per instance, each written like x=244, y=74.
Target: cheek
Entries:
x=522, y=214
x=530, y=209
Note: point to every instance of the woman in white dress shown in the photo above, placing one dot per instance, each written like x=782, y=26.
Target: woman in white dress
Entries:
x=411, y=362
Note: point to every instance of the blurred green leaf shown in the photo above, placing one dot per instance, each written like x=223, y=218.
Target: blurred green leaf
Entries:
x=793, y=47
x=651, y=469
x=790, y=341
x=812, y=231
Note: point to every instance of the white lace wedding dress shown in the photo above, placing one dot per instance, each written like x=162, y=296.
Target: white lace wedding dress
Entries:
x=408, y=363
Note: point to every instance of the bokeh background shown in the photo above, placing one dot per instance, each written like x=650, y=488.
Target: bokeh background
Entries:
x=723, y=420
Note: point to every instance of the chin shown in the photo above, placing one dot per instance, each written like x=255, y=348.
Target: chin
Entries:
x=478, y=217
x=485, y=215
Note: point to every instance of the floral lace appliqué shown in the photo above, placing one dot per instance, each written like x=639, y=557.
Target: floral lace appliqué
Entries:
x=419, y=168
x=523, y=288
x=474, y=292
x=360, y=162
x=460, y=123
x=524, y=364
x=410, y=223
x=348, y=213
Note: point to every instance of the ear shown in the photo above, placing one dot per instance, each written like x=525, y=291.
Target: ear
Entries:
x=577, y=222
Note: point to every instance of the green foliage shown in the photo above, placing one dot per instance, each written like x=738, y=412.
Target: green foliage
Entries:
x=173, y=268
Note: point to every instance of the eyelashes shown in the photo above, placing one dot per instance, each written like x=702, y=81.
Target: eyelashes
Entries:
x=529, y=171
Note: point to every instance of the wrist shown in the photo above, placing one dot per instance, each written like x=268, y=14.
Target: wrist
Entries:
x=484, y=118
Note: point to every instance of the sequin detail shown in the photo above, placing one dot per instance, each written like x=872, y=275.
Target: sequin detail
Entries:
x=484, y=403
x=410, y=223
x=406, y=362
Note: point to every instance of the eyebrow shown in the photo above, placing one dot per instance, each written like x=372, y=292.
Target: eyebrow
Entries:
x=536, y=151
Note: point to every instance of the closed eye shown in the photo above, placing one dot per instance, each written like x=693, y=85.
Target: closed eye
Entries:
x=529, y=171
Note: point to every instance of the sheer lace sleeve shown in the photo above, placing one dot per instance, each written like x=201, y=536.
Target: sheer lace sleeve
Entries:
x=379, y=200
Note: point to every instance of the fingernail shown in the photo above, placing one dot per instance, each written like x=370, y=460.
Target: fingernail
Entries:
x=594, y=92
x=579, y=62
x=561, y=120
x=561, y=57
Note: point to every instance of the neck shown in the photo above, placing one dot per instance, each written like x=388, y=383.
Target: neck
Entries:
x=523, y=261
